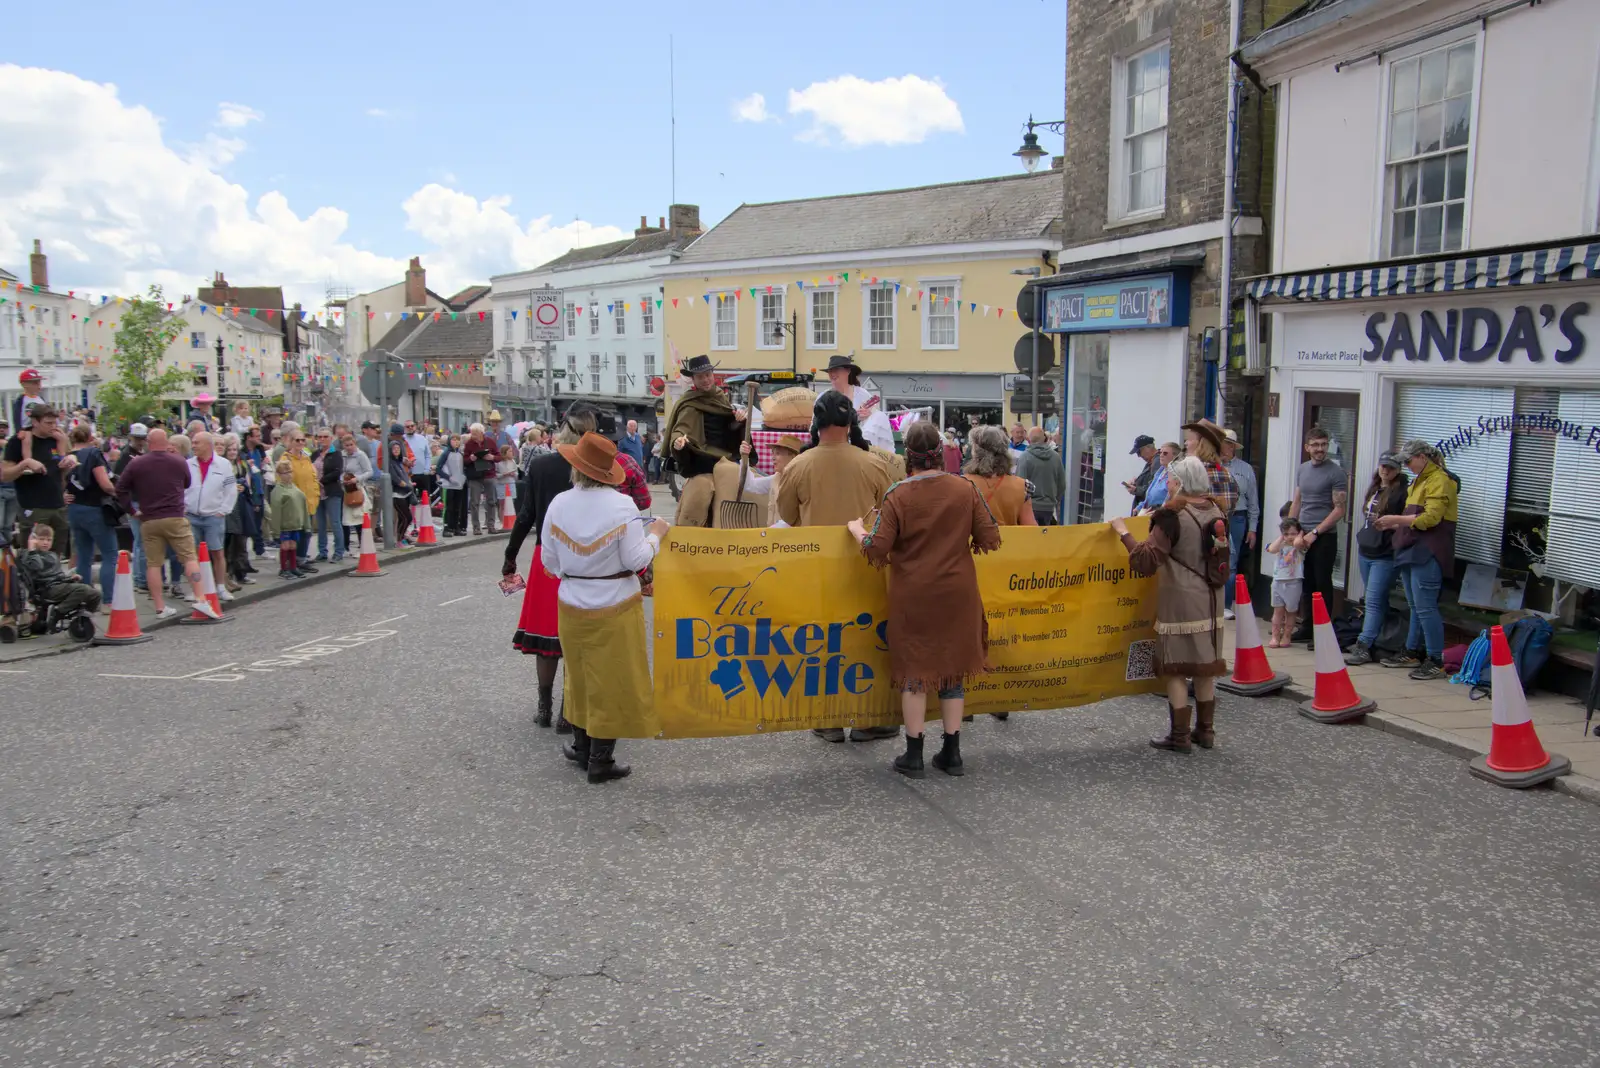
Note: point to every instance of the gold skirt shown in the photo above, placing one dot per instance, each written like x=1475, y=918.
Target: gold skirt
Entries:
x=609, y=692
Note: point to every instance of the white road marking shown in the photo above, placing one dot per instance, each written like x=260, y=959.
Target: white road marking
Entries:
x=468, y=597
x=11, y=671
x=313, y=641
x=381, y=622
x=171, y=678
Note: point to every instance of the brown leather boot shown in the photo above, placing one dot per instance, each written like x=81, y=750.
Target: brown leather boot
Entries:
x=1205, y=714
x=1177, y=736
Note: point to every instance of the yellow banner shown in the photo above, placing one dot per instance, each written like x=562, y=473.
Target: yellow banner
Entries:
x=782, y=630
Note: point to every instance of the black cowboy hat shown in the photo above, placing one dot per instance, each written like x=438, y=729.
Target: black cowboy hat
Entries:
x=699, y=364
x=836, y=363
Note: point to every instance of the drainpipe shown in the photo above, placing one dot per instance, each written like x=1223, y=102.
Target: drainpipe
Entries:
x=1229, y=209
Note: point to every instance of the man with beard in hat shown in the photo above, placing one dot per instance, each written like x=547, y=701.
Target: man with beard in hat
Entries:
x=704, y=428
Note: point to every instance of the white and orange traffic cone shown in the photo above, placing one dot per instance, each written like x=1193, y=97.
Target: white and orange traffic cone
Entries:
x=1335, y=699
x=124, y=629
x=1515, y=757
x=1252, y=675
x=207, y=591
x=425, y=533
x=367, y=565
x=508, y=511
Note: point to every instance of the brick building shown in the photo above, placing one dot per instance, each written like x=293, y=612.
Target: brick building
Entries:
x=1135, y=295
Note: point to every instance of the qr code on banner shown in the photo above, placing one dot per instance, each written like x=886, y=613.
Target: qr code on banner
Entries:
x=1142, y=660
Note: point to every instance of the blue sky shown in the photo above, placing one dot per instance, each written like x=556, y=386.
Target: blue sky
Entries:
x=405, y=119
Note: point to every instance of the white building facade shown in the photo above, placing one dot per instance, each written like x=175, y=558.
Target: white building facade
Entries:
x=1436, y=273
x=252, y=354
x=612, y=351
x=47, y=331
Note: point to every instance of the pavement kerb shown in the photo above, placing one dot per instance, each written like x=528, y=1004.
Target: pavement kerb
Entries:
x=386, y=558
x=1579, y=786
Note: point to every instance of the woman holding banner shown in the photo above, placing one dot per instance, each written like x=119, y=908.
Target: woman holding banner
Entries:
x=594, y=541
x=928, y=527
x=1188, y=606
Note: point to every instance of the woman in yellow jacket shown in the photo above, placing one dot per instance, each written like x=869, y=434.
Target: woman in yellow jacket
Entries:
x=305, y=480
x=1424, y=555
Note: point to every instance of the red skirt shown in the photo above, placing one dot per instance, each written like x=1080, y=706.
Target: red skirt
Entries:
x=537, y=630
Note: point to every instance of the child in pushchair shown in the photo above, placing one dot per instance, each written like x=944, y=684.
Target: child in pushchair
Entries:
x=59, y=599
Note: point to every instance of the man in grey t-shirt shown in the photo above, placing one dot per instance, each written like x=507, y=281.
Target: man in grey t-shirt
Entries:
x=1321, y=496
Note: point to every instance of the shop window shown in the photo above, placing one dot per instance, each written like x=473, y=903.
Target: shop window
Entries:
x=1084, y=436
x=1533, y=452
x=1440, y=414
x=1574, y=528
x=1430, y=141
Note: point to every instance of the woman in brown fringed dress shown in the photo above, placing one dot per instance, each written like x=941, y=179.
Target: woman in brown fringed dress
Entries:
x=1188, y=608
x=928, y=527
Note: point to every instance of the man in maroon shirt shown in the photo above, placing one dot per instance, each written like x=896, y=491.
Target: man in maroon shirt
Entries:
x=151, y=491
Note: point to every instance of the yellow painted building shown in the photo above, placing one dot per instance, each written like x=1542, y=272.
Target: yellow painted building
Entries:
x=919, y=284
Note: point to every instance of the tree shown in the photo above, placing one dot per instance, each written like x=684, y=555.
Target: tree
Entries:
x=141, y=386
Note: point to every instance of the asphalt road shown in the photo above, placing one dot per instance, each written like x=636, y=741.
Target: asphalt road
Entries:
x=374, y=858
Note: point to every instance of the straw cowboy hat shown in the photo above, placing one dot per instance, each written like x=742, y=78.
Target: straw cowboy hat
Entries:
x=790, y=443
x=595, y=456
x=788, y=408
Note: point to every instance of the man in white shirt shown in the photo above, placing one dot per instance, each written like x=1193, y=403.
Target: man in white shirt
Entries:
x=209, y=500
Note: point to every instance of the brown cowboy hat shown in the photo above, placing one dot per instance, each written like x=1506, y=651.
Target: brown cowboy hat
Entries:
x=790, y=443
x=596, y=456
x=1208, y=430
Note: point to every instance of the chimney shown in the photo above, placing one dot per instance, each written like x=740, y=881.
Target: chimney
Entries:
x=645, y=227
x=1057, y=162
x=416, y=284
x=685, y=219
x=663, y=224
x=38, y=267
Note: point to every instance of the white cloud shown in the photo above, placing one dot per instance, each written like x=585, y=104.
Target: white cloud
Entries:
x=233, y=116
x=474, y=239
x=752, y=108
x=894, y=111
x=118, y=206
x=377, y=113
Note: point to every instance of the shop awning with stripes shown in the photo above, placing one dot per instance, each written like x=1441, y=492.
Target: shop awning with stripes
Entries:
x=1502, y=269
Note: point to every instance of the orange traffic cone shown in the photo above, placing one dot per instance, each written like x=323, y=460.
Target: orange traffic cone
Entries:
x=425, y=534
x=367, y=566
x=1335, y=699
x=1252, y=675
x=124, y=629
x=508, y=511
x=207, y=590
x=1515, y=758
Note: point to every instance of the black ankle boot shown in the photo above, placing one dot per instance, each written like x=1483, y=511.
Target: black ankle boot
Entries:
x=909, y=763
x=602, y=765
x=578, y=750
x=562, y=726
x=948, y=759
x=542, y=717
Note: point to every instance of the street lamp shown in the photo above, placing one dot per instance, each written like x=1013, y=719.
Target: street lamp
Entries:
x=1030, y=153
x=792, y=328
x=220, y=378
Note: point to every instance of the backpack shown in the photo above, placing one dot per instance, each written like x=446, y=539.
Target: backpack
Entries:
x=1529, y=638
x=1475, y=667
x=1215, y=565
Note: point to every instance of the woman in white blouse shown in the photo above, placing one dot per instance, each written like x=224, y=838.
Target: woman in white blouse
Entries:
x=844, y=375
x=595, y=542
